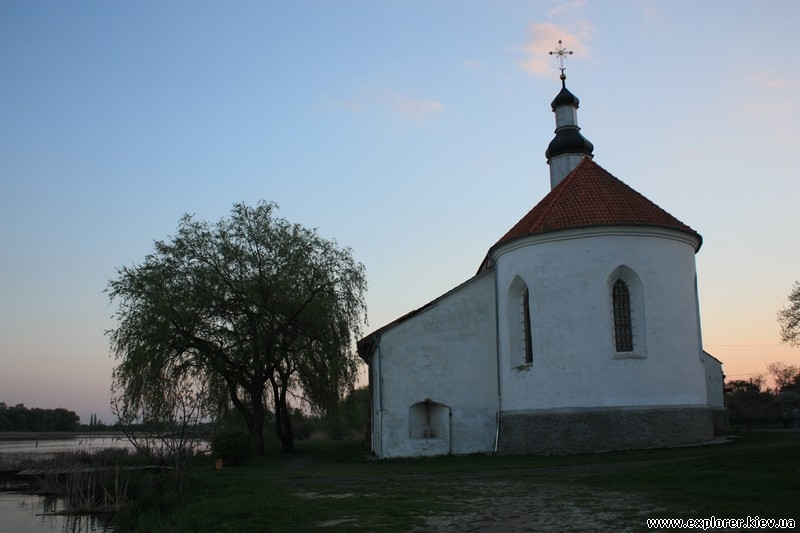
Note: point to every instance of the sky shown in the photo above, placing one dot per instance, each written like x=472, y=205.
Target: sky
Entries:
x=411, y=131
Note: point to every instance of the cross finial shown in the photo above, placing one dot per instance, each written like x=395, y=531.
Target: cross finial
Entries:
x=561, y=51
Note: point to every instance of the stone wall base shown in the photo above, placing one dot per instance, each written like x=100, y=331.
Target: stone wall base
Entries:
x=604, y=429
x=720, y=422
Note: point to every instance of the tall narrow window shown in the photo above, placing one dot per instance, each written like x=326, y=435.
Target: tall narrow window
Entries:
x=527, y=342
x=623, y=327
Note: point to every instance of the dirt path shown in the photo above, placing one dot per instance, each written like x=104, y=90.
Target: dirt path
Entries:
x=519, y=500
x=512, y=507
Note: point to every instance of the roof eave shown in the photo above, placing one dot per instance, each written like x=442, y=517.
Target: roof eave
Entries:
x=696, y=237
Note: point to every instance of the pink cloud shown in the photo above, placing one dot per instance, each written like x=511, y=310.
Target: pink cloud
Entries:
x=772, y=82
x=409, y=107
x=544, y=38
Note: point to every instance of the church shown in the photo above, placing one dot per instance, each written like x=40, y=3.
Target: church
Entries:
x=580, y=331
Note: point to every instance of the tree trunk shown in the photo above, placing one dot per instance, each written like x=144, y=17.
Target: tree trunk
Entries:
x=258, y=430
x=256, y=426
x=283, y=426
x=287, y=438
x=241, y=406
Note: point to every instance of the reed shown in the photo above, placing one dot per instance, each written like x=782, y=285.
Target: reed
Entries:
x=89, y=483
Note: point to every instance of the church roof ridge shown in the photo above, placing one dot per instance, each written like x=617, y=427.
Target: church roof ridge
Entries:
x=591, y=196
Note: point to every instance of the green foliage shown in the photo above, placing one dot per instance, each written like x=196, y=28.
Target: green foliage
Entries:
x=789, y=317
x=233, y=447
x=747, y=404
x=154, y=495
x=254, y=304
x=350, y=420
x=21, y=418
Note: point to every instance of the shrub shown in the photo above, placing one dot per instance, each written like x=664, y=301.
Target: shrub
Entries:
x=232, y=447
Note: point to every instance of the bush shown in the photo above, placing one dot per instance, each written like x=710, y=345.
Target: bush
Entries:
x=232, y=447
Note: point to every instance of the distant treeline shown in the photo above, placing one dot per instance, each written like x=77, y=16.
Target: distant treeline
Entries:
x=21, y=418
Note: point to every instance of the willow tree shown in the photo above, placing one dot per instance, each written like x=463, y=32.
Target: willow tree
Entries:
x=259, y=306
x=789, y=317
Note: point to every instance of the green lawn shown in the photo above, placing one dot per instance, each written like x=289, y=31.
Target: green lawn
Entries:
x=334, y=486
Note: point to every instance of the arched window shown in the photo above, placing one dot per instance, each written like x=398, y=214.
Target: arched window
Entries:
x=527, y=338
x=623, y=322
x=520, y=325
x=628, y=320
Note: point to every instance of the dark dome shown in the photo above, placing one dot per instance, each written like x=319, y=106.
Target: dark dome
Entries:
x=564, y=98
x=568, y=140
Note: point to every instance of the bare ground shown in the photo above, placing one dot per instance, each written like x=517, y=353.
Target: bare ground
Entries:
x=508, y=508
x=525, y=500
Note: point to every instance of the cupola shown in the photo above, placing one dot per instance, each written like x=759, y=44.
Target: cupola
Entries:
x=568, y=147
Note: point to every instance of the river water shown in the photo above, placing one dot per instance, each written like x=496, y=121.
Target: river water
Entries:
x=22, y=513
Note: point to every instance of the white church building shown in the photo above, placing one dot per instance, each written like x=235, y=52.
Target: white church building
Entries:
x=579, y=332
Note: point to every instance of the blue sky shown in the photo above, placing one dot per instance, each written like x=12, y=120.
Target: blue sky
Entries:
x=412, y=131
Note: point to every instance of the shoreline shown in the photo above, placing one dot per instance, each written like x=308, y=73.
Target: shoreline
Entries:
x=47, y=435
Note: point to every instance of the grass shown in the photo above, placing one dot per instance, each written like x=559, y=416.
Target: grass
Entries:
x=757, y=474
x=335, y=487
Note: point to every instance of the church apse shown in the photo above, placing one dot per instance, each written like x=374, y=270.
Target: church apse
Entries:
x=579, y=332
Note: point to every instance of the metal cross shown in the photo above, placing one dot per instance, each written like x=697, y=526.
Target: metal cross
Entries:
x=561, y=51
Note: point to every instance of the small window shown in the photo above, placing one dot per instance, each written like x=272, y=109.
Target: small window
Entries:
x=527, y=341
x=623, y=326
x=520, y=322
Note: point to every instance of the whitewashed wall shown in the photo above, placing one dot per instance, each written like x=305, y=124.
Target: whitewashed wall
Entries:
x=715, y=381
x=574, y=359
x=447, y=354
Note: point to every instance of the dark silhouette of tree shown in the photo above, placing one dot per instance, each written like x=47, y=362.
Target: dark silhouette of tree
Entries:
x=789, y=317
x=785, y=375
x=747, y=403
x=21, y=418
x=742, y=387
x=254, y=303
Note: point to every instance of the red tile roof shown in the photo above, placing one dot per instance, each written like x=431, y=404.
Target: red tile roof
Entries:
x=590, y=196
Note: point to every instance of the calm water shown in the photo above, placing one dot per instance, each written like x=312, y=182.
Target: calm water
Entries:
x=14, y=448
x=22, y=513
x=27, y=513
